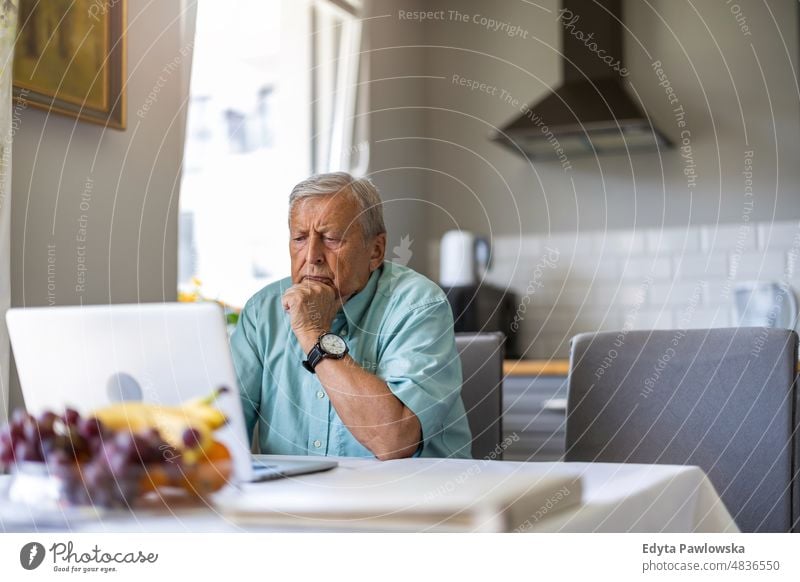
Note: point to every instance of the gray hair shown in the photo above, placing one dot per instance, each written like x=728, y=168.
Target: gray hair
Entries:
x=362, y=190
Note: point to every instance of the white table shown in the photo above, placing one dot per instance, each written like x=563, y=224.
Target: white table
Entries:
x=616, y=498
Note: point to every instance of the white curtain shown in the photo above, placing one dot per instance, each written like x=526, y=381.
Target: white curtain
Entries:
x=8, y=29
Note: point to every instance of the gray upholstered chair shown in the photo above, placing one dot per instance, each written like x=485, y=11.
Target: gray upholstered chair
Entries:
x=722, y=399
x=482, y=390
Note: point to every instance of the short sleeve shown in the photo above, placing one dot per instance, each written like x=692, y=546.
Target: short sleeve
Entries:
x=249, y=366
x=421, y=366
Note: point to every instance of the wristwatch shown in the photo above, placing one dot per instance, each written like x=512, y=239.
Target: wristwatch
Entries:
x=329, y=345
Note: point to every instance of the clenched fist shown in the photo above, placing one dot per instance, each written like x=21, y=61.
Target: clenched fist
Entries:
x=311, y=306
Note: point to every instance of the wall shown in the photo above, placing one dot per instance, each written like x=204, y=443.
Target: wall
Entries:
x=727, y=88
x=94, y=211
x=398, y=149
x=617, y=220
x=655, y=278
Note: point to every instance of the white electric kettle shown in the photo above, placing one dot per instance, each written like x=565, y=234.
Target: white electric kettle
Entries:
x=464, y=259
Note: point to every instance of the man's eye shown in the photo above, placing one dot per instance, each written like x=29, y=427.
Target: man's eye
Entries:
x=299, y=238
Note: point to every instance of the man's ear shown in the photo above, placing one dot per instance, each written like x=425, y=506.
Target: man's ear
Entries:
x=378, y=252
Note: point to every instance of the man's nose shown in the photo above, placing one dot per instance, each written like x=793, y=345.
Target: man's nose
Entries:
x=315, y=248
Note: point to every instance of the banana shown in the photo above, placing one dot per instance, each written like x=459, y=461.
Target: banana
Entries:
x=132, y=416
x=211, y=417
x=172, y=422
x=203, y=409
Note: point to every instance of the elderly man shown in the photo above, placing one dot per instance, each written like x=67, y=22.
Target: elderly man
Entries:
x=352, y=355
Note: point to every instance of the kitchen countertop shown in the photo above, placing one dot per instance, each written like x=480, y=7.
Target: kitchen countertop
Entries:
x=535, y=367
x=543, y=367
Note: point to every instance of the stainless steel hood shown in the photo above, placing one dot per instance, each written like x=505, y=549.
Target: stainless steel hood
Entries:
x=592, y=110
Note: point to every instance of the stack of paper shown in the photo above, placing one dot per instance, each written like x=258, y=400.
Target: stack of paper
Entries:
x=388, y=497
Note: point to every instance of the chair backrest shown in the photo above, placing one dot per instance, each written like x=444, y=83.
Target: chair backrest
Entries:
x=482, y=390
x=722, y=399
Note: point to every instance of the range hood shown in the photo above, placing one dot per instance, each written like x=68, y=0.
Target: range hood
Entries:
x=592, y=110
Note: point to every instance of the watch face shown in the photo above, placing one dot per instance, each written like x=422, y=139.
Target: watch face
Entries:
x=333, y=344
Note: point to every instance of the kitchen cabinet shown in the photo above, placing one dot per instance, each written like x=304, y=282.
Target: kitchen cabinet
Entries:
x=534, y=412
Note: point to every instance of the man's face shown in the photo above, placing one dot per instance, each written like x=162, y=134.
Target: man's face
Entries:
x=326, y=244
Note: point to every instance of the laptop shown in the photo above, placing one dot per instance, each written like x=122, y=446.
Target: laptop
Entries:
x=87, y=357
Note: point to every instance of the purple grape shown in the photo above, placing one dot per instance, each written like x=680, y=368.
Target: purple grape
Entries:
x=191, y=438
x=60, y=458
x=90, y=428
x=6, y=449
x=48, y=448
x=125, y=443
x=25, y=451
x=30, y=430
x=71, y=416
x=46, y=421
x=18, y=416
x=16, y=428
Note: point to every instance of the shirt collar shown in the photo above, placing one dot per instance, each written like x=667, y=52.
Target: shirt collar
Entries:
x=355, y=307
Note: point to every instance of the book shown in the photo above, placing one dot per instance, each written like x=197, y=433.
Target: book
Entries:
x=449, y=496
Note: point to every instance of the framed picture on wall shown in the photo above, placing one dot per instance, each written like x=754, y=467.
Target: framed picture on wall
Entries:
x=69, y=58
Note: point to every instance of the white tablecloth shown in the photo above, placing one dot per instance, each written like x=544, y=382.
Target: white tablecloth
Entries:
x=615, y=498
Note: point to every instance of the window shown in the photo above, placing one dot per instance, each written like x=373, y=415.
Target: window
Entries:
x=273, y=98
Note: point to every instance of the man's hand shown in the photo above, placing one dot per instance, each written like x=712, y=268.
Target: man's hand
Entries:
x=311, y=306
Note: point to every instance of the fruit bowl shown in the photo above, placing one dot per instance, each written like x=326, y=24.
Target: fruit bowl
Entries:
x=117, y=456
x=45, y=486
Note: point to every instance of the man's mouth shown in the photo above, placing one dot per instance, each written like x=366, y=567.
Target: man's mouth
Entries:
x=324, y=280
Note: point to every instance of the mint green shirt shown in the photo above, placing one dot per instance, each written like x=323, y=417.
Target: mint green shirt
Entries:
x=399, y=327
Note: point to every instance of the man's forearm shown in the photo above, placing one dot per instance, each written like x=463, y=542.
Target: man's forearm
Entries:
x=369, y=409
x=374, y=415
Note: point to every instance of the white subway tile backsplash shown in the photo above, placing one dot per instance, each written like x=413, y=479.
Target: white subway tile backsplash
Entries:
x=778, y=235
x=644, y=267
x=679, y=241
x=643, y=279
x=571, y=295
x=677, y=294
x=620, y=295
x=653, y=319
x=720, y=292
x=593, y=319
x=567, y=244
x=761, y=266
x=703, y=318
x=590, y=267
x=700, y=266
x=523, y=248
x=736, y=238
x=622, y=244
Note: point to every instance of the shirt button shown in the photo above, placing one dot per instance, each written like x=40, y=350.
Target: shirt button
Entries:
x=318, y=443
x=320, y=394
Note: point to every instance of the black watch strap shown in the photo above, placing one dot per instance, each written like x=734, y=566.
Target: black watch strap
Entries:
x=314, y=357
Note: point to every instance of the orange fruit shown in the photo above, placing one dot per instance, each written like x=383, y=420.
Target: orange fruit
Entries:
x=210, y=473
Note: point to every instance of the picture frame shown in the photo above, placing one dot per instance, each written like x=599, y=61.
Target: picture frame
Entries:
x=70, y=59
